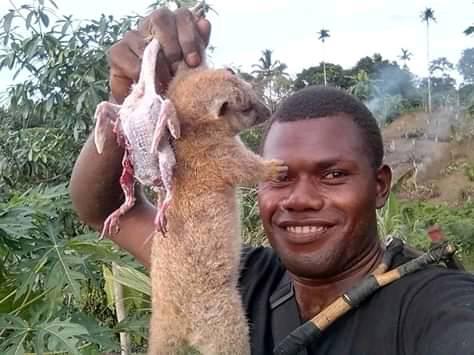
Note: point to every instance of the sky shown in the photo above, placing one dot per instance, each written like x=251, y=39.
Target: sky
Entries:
x=242, y=29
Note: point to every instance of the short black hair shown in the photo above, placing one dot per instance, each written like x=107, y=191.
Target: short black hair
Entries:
x=315, y=102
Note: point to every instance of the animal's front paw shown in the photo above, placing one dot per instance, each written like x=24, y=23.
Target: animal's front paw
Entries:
x=275, y=169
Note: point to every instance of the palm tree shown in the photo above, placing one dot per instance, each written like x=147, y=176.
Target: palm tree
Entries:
x=267, y=67
x=267, y=70
x=405, y=56
x=426, y=16
x=323, y=34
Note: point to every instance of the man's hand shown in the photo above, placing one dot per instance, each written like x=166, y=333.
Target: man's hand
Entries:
x=182, y=35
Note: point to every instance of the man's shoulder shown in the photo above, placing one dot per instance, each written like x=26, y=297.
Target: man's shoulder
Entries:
x=428, y=312
x=434, y=277
x=431, y=287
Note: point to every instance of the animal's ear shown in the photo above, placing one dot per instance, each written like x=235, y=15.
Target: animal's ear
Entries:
x=167, y=119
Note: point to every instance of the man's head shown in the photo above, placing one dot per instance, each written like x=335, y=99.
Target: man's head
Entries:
x=319, y=101
x=321, y=219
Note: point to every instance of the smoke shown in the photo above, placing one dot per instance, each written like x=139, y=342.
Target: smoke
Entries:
x=392, y=92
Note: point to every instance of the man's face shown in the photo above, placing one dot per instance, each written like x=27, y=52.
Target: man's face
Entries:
x=321, y=219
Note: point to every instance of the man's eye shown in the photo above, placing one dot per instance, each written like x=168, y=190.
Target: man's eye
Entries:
x=281, y=179
x=334, y=174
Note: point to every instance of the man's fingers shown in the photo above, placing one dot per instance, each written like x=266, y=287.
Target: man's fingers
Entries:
x=204, y=29
x=189, y=38
x=123, y=61
x=181, y=35
x=119, y=86
x=136, y=42
x=162, y=25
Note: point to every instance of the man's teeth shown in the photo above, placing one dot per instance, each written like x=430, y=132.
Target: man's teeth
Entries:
x=306, y=229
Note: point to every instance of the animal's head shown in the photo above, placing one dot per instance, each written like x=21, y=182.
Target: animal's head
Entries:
x=217, y=99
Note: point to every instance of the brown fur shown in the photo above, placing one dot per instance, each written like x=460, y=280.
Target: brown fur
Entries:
x=195, y=266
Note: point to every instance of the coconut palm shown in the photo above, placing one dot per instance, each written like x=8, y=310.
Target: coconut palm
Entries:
x=266, y=67
x=427, y=16
x=405, y=57
x=268, y=71
x=323, y=34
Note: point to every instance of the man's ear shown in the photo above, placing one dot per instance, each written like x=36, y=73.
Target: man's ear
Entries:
x=383, y=180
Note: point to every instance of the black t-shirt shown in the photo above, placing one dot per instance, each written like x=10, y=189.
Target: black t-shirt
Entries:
x=430, y=312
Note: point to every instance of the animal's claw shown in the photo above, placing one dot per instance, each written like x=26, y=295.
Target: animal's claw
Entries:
x=160, y=219
x=111, y=226
x=275, y=169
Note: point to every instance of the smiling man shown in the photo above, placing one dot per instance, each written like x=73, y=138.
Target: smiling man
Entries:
x=320, y=219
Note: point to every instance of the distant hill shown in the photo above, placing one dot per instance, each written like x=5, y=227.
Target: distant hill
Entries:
x=432, y=156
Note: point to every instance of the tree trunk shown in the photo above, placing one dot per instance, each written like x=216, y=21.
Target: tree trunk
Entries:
x=324, y=67
x=428, y=63
x=121, y=313
x=324, y=74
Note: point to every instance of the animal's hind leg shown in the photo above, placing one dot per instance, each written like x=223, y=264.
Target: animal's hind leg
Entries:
x=220, y=328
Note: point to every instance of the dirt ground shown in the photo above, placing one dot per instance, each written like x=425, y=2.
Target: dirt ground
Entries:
x=432, y=157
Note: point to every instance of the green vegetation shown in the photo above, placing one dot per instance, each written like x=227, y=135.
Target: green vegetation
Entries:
x=410, y=220
x=56, y=278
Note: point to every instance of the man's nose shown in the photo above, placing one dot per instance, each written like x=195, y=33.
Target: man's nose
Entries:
x=304, y=196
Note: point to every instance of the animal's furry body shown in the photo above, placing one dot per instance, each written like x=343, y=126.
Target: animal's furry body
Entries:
x=195, y=268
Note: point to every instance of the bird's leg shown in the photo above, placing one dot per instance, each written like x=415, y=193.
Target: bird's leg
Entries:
x=167, y=161
x=127, y=182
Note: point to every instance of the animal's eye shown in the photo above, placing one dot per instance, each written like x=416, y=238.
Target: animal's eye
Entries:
x=230, y=70
x=248, y=109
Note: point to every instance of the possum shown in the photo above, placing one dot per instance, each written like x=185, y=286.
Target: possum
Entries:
x=195, y=269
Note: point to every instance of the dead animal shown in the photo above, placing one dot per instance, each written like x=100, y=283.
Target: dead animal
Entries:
x=143, y=128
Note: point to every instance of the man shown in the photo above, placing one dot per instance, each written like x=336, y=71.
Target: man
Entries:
x=320, y=219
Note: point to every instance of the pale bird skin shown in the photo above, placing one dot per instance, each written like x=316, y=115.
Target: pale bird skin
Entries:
x=143, y=124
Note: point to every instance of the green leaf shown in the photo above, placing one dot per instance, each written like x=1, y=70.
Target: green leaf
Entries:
x=53, y=3
x=7, y=21
x=132, y=278
x=109, y=286
x=29, y=18
x=61, y=335
x=31, y=47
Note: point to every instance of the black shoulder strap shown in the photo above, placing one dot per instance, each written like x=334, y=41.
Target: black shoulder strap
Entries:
x=284, y=311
